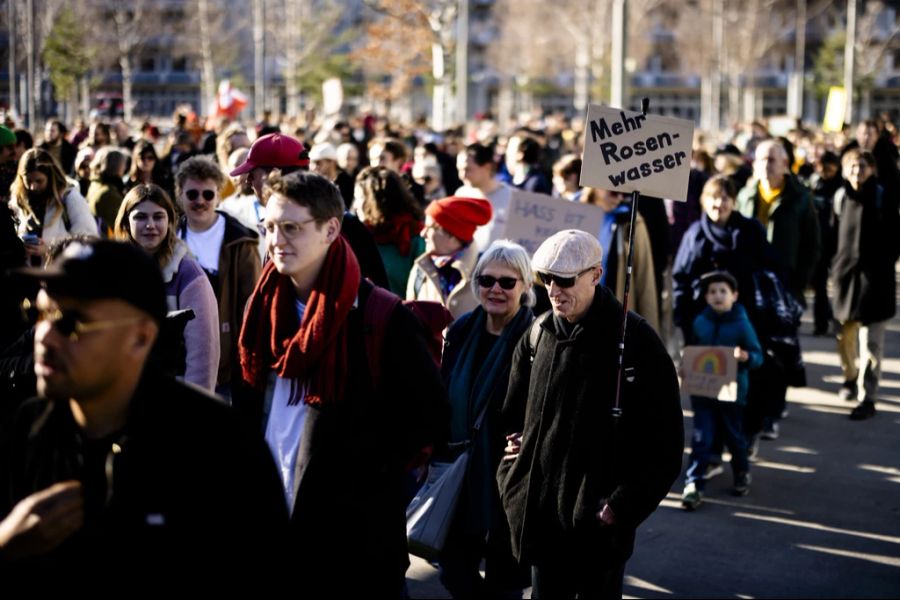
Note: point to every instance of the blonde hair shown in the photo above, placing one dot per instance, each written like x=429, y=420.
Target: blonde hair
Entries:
x=36, y=160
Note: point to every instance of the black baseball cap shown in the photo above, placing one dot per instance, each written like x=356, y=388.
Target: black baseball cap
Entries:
x=104, y=269
x=718, y=277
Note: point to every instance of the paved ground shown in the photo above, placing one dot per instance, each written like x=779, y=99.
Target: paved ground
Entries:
x=822, y=519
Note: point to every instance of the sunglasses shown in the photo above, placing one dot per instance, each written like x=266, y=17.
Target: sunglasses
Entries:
x=146, y=157
x=208, y=195
x=67, y=323
x=563, y=282
x=488, y=281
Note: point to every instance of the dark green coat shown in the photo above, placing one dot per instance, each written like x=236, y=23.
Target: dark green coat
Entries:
x=793, y=230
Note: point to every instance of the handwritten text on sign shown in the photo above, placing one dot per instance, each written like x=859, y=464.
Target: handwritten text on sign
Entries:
x=533, y=218
x=709, y=371
x=627, y=151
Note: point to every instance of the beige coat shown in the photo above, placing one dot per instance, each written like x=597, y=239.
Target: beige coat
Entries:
x=461, y=299
x=642, y=297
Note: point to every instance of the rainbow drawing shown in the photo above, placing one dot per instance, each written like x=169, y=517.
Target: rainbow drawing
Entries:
x=711, y=362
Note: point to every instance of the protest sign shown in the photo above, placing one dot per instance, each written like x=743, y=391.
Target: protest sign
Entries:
x=532, y=218
x=835, y=110
x=628, y=151
x=709, y=371
x=332, y=96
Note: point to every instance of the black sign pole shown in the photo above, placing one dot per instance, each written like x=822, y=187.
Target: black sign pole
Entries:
x=635, y=197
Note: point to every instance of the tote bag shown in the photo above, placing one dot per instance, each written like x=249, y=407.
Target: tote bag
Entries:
x=429, y=514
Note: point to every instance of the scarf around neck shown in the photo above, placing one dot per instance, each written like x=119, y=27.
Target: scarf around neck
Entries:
x=720, y=236
x=315, y=349
x=399, y=230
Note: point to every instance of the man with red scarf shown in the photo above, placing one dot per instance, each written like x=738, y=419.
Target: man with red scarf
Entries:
x=341, y=443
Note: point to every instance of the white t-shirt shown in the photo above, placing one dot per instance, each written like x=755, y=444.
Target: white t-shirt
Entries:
x=496, y=227
x=250, y=213
x=284, y=429
x=206, y=246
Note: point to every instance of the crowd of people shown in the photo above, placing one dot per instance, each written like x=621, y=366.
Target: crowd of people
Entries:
x=239, y=348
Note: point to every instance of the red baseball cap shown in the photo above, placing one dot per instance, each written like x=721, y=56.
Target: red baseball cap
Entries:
x=274, y=151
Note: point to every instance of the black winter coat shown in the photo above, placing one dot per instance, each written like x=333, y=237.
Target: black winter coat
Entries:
x=184, y=491
x=350, y=472
x=572, y=458
x=862, y=271
x=739, y=248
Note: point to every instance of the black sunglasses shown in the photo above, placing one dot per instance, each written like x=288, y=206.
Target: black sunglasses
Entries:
x=208, y=195
x=563, y=282
x=488, y=281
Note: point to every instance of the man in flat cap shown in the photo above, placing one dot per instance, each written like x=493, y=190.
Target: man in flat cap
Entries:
x=577, y=480
x=116, y=471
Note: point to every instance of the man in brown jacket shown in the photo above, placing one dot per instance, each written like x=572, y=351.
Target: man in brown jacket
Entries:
x=227, y=251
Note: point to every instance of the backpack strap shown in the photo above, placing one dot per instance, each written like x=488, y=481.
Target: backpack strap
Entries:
x=534, y=335
x=67, y=221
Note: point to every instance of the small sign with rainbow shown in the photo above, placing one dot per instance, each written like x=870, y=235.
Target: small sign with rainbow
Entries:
x=710, y=371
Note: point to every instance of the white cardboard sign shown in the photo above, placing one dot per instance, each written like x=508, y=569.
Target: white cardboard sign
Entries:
x=709, y=371
x=627, y=151
x=532, y=218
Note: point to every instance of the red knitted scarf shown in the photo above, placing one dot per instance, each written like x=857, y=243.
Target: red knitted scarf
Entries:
x=316, y=351
x=399, y=231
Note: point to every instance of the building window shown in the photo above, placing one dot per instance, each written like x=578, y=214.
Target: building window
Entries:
x=148, y=64
x=180, y=64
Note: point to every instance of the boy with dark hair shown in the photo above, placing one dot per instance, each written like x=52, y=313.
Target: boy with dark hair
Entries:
x=722, y=323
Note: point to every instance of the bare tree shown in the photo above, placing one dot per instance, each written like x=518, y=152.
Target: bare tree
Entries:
x=577, y=34
x=391, y=55
x=218, y=48
x=437, y=19
x=131, y=26
x=874, y=38
x=752, y=35
x=304, y=33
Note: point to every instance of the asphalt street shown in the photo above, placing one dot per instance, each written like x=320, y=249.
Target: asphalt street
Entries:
x=822, y=519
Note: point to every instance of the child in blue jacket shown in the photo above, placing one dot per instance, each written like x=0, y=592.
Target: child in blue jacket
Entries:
x=722, y=323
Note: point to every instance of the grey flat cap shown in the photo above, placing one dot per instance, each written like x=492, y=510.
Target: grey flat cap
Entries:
x=567, y=253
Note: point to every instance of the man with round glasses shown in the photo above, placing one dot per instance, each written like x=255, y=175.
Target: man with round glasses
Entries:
x=115, y=469
x=343, y=436
x=582, y=470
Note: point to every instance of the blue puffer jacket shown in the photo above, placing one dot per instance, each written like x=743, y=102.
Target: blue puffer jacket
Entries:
x=731, y=329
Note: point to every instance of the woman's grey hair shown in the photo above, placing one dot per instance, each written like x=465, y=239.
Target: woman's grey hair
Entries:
x=512, y=255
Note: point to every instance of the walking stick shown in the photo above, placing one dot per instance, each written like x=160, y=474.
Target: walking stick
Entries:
x=635, y=197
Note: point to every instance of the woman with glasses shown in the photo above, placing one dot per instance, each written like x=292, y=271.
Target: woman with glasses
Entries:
x=225, y=248
x=391, y=213
x=475, y=367
x=444, y=273
x=147, y=218
x=45, y=205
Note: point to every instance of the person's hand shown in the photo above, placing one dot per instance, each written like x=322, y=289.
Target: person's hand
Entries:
x=513, y=446
x=740, y=354
x=606, y=515
x=42, y=521
x=38, y=248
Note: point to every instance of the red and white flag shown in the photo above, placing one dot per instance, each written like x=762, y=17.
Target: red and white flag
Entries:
x=229, y=101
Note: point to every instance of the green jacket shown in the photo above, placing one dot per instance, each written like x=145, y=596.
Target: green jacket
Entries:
x=104, y=197
x=793, y=230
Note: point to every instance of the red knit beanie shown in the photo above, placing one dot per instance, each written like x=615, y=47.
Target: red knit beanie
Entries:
x=460, y=216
